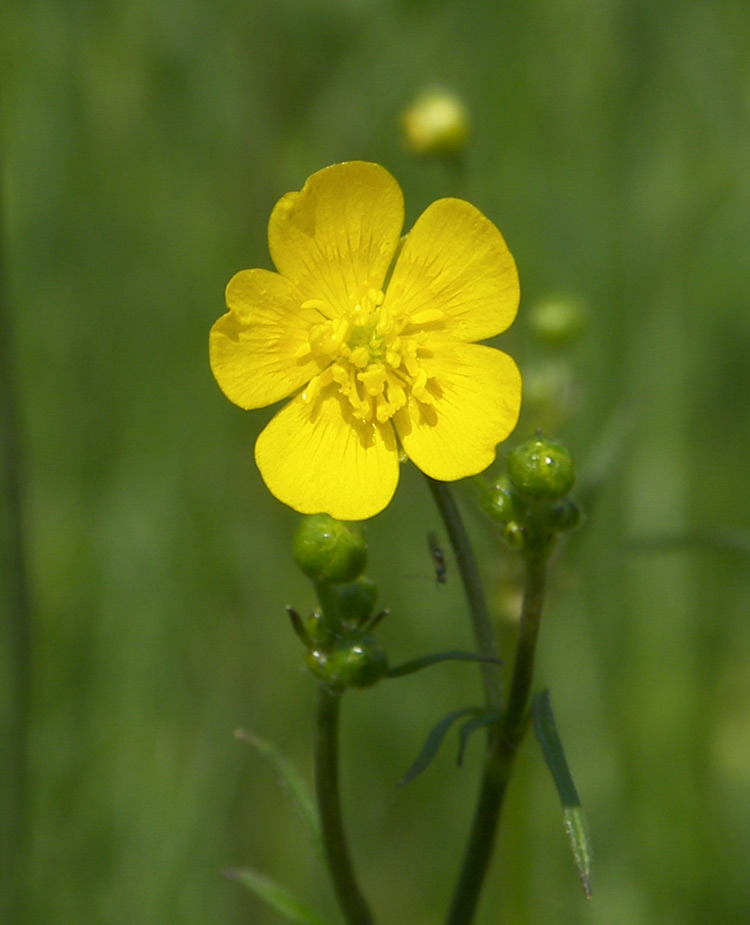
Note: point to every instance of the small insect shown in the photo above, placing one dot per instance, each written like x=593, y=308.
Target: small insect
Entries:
x=438, y=558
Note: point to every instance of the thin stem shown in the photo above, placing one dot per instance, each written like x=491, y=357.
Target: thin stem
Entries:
x=481, y=841
x=528, y=632
x=351, y=900
x=502, y=751
x=15, y=606
x=484, y=633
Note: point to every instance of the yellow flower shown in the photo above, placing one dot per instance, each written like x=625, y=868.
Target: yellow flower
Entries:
x=437, y=122
x=375, y=366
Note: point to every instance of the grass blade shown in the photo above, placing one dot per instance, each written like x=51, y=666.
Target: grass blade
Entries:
x=573, y=815
x=291, y=781
x=276, y=896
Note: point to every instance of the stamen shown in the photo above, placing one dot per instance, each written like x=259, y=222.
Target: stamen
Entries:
x=374, y=366
x=373, y=379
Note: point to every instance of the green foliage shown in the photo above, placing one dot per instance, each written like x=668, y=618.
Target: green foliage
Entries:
x=426, y=661
x=435, y=739
x=276, y=896
x=573, y=816
x=144, y=144
x=291, y=780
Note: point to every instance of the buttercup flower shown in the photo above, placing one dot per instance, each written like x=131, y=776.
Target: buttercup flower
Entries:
x=437, y=122
x=374, y=366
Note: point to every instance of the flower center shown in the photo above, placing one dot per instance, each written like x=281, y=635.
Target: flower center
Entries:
x=373, y=355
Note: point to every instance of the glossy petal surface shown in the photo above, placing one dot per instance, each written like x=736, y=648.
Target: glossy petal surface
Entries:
x=320, y=460
x=253, y=347
x=336, y=237
x=456, y=261
x=476, y=395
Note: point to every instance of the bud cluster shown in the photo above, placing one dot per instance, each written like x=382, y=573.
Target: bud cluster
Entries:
x=341, y=648
x=531, y=502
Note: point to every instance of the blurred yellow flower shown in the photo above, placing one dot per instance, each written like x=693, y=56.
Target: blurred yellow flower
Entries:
x=375, y=365
x=437, y=123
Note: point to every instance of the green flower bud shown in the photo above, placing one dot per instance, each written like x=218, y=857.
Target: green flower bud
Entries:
x=564, y=516
x=355, y=662
x=330, y=550
x=501, y=501
x=558, y=322
x=356, y=600
x=436, y=123
x=514, y=535
x=541, y=469
x=549, y=392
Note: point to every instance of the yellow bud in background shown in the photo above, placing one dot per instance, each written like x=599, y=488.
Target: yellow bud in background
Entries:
x=437, y=123
x=559, y=321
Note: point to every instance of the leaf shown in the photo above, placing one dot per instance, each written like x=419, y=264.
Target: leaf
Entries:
x=482, y=721
x=573, y=815
x=433, y=743
x=291, y=781
x=426, y=660
x=276, y=896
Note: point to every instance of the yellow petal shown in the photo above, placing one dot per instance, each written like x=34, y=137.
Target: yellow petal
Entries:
x=254, y=347
x=336, y=238
x=317, y=459
x=476, y=397
x=456, y=261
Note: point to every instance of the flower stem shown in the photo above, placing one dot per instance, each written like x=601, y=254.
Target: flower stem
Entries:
x=528, y=632
x=484, y=633
x=16, y=610
x=350, y=898
x=504, y=737
x=502, y=750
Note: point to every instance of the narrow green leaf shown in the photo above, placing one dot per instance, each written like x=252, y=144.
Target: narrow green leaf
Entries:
x=482, y=721
x=453, y=656
x=276, y=896
x=291, y=781
x=573, y=815
x=433, y=743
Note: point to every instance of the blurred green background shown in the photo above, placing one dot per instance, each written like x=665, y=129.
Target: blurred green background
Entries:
x=144, y=145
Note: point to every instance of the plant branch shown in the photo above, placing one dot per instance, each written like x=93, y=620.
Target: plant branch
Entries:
x=505, y=736
x=15, y=606
x=484, y=633
x=351, y=900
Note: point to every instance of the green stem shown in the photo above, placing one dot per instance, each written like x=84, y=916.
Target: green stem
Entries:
x=502, y=751
x=484, y=633
x=505, y=737
x=528, y=632
x=351, y=900
x=15, y=607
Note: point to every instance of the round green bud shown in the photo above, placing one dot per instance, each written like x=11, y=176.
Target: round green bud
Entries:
x=501, y=501
x=564, y=516
x=514, y=535
x=330, y=550
x=559, y=321
x=437, y=123
x=356, y=599
x=541, y=469
x=359, y=661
